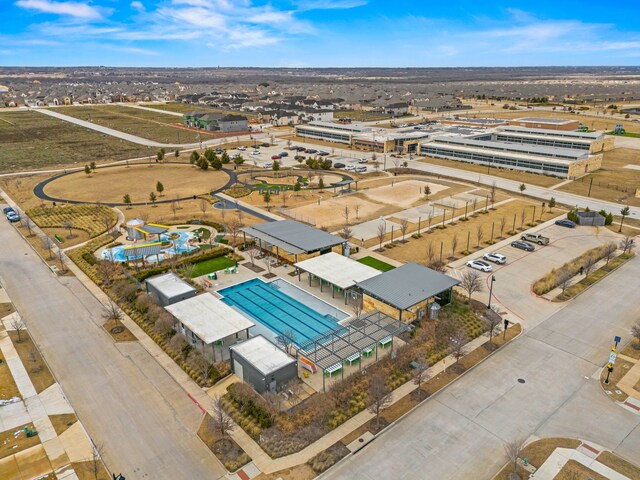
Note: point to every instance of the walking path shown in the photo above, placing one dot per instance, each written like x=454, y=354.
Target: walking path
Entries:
x=154, y=110
x=560, y=456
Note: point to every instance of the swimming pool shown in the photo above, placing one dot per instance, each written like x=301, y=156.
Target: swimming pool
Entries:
x=280, y=307
x=177, y=242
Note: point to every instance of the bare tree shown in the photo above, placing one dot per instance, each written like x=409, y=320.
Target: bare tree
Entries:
x=492, y=321
x=235, y=227
x=454, y=244
x=471, y=282
x=474, y=205
x=382, y=230
x=421, y=373
x=627, y=244
x=204, y=205
x=47, y=244
x=346, y=213
x=522, y=218
x=60, y=257
x=564, y=278
x=33, y=358
x=284, y=196
x=94, y=464
x=174, y=208
x=404, y=225
x=609, y=249
x=68, y=225
x=513, y=450
x=201, y=364
x=588, y=264
x=252, y=252
x=431, y=252
x=268, y=263
x=492, y=194
x=28, y=224
x=479, y=233
x=356, y=305
x=356, y=208
x=107, y=271
x=113, y=313
x=457, y=343
x=346, y=231
x=18, y=325
x=429, y=219
x=287, y=339
x=107, y=222
x=503, y=223
x=379, y=395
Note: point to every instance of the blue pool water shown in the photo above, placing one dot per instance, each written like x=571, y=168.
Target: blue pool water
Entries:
x=269, y=305
x=182, y=244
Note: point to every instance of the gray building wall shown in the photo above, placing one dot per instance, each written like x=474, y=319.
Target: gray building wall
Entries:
x=163, y=300
x=234, y=126
x=259, y=382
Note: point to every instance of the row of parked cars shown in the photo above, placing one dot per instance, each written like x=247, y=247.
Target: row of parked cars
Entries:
x=526, y=243
x=11, y=214
x=351, y=168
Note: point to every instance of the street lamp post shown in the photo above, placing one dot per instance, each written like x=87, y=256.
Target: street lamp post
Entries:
x=493, y=279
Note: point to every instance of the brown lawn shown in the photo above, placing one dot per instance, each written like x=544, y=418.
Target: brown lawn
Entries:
x=32, y=360
x=111, y=184
x=612, y=182
x=415, y=249
x=588, y=117
x=537, y=452
x=12, y=442
x=573, y=469
x=8, y=387
x=620, y=465
x=62, y=422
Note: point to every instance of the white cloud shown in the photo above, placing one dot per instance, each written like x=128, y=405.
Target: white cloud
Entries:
x=137, y=6
x=329, y=4
x=72, y=9
x=135, y=50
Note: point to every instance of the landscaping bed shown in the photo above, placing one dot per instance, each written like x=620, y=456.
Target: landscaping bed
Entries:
x=8, y=387
x=93, y=219
x=225, y=449
x=62, y=422
x=118, y=331
x=619, y=465
x=33, y=362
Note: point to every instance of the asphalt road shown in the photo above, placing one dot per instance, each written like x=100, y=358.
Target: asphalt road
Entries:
x=460, y=433
x=125, y=400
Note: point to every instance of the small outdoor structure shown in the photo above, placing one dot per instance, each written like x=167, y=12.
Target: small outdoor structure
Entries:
x=169, y=289
x=340, y=273
x=133, y=229
x=405, y=292
x=360, y=338
x=210, y=324
x=590, y=219
x=293, y=241
x=137, y=252
x=262, y=365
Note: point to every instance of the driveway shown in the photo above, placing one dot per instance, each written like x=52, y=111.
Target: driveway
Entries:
x=512, y=288
x=460, y=432
x=126, y=401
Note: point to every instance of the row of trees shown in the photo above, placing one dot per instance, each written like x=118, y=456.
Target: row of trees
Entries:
x=210, y=159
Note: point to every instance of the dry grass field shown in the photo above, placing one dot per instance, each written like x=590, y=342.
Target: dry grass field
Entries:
x=415, y=250
x=158, y=127
x=360, y=115
x=589, y=117
x=532, y=178
x=31, y=140
x=612, y=182
x=111, y=184
x=185, y=108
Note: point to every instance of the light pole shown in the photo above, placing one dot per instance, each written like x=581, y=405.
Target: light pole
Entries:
x=493, y=279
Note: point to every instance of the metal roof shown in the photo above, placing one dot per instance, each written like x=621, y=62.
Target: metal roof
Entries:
x=153, y=229
x=294, y=237
x=209, y=317
x=263, y=355
x=551, y=121
x=552, y=133
x=142, y=250
x=170, y=285
x=405, y=286
x=533, y=150
x=341, y=271
x=338, y=345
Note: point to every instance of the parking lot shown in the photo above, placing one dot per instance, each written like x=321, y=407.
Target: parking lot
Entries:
x=512, y=287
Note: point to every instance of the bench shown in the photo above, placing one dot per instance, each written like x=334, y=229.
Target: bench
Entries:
x=384, y=343
x=333, y=369
x=351, y=359
x=367, y=352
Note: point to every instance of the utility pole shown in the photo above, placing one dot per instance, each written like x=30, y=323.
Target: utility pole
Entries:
x=590, y=184
x=493, y=279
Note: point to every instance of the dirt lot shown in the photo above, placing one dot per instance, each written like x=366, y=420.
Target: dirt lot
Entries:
x=612, y=182
x=403, y=194
x=111, y=184
x=31, y=140
x=159, y=127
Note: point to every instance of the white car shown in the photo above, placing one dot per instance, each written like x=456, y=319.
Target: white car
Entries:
x=361, y=169
x=363, y=160
x=255, y=152
x=495, y=258
x=242, y=148
x=479, y=265
x=350, y=168
x=268, y=165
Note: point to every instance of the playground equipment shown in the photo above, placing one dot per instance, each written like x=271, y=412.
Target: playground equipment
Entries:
x=133, y=229
x=619, y=130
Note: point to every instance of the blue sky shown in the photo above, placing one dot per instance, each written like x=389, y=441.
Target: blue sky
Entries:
x=323, y=33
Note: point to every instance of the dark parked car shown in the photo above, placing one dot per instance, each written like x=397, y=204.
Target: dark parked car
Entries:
x=323, y=154
x=311, y=150
x=265, y=144
x=283, y=154
x=523, y=246
x=299, y=157
x=566, y=223
x=301, y=149
x=339, y=165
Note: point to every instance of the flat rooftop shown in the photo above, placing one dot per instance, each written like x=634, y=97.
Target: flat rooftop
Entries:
x=552, y=133
x=209, y=317
x=346, y=127
x=262, y=354
x=550, y=121
x=531, y=150
x=341, y=271
x=170, y=285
